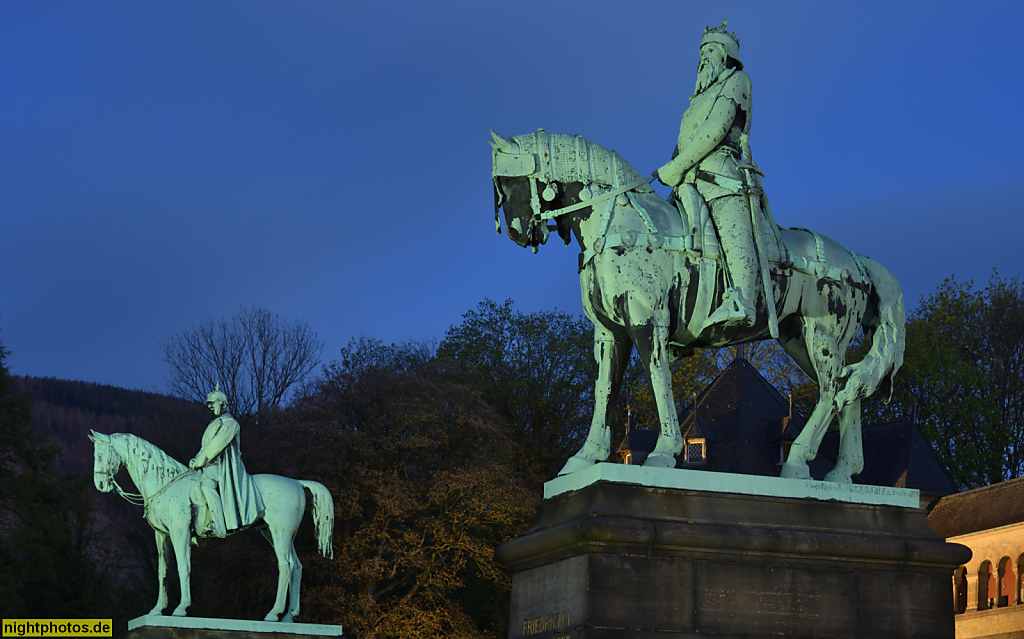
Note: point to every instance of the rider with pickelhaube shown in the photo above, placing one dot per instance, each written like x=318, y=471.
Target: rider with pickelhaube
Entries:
x=709, y=159
x=232, y=499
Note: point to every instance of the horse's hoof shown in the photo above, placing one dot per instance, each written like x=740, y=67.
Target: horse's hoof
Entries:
x=271, y=616
x=660, y=460
x=179, y=612
x=574, y=464
x=287, y=618
x=795, y=471
x=156, y=612
x=839, y=476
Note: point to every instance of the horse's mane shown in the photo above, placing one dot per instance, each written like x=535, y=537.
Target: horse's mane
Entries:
x=142, y=450
x=573, y=158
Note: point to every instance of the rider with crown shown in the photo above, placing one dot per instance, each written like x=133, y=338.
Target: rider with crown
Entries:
x=708, y=158
x=231, y=497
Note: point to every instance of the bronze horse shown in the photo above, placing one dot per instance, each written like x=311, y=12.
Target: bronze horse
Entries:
x=651, y=273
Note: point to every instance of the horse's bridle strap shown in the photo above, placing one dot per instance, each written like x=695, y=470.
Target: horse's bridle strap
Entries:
x=547, y=215
x=630, y=239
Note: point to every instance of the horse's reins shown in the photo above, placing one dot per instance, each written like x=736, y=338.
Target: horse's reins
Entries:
x=188, y=472
x=135, y=499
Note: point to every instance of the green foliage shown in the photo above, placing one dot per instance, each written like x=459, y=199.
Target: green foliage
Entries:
x=537, y=371
x=964, y=371
x=419, y=466
x=49, y=566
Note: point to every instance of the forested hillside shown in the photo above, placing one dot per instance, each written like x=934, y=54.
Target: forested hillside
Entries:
x=67, y=410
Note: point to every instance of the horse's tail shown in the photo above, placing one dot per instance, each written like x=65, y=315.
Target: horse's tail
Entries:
x=886, y=326
x=323, y=516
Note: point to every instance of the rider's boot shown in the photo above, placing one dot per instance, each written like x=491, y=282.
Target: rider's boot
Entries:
x=217, y=526
x=732, y=219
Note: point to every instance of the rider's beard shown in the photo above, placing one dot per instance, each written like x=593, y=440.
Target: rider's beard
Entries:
x=707, y=73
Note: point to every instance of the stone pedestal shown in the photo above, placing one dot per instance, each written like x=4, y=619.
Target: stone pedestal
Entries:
x=166, y=627
x=616, y=560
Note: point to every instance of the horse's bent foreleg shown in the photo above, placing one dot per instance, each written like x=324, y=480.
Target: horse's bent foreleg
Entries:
x=162, y=545
x=183, y=553
x=612, y=355
x=654, y=353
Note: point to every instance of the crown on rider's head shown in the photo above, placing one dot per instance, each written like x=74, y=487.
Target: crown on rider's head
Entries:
x=726, y=39
x=720, y=30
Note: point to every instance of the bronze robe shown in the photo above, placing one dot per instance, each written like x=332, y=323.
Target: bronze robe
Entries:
x=221, y=460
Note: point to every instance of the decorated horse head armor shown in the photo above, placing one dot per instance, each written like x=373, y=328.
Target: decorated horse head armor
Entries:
x=549, y=160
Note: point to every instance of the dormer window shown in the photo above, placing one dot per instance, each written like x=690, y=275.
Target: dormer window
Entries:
x=696, y=452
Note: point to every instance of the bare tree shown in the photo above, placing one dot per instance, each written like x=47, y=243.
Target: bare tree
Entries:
x=255, y=356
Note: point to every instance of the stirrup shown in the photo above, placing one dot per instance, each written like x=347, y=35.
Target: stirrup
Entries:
x=732, y=312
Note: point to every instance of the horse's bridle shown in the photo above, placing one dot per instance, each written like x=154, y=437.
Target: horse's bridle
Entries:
x=532, y=167
x=109, y=472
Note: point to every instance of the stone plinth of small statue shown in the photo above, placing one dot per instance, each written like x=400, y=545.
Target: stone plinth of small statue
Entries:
x=164, y=627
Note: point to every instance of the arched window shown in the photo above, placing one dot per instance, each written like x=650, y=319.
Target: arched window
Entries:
x=960, y=590
x=1020, y=579
x=1007, y=583
x=986, y=585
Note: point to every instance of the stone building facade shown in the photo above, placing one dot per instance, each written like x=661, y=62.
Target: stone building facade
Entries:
x=987, y=591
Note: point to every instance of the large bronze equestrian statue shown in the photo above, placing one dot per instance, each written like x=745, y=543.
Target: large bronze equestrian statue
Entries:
x=710, y=268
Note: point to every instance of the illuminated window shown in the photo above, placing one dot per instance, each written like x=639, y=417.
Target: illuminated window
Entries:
x=696, y=452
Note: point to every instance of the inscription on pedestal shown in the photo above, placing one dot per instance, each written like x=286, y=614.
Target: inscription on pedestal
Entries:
x=548, y=598
x=549, y=623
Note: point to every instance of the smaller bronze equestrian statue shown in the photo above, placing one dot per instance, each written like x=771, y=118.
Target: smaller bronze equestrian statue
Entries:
x=217, y=485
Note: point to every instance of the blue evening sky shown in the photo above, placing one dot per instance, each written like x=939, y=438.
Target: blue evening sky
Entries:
x=162, y=163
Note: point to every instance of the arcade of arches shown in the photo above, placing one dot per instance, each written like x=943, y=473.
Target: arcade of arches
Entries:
x=988, y=592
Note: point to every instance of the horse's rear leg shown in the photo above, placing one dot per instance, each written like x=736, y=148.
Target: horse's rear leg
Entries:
x=283, y=522
x=822, y=341
x=851, y=451
x=294, y=588
x=281, y=541
x=612, y=355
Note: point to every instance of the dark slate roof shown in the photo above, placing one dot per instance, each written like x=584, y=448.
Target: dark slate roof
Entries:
x=895, y=454
x=983, y=508
x=639, y=439
x=743, y=418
